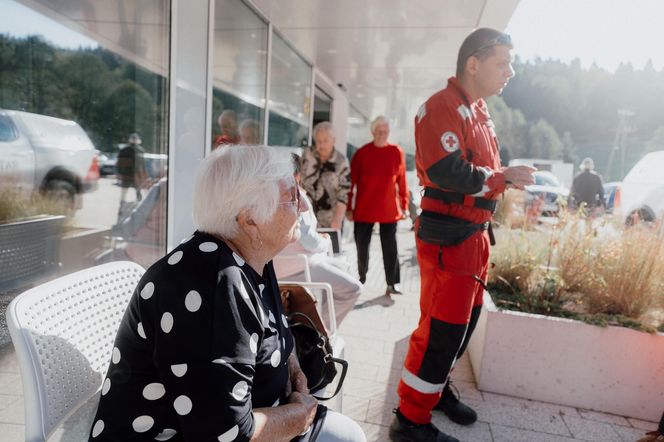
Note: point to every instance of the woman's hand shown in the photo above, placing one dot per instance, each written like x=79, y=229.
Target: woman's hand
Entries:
x=297, y=379
x=309, y=405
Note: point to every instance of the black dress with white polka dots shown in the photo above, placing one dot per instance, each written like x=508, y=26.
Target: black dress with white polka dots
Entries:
x=203, y=341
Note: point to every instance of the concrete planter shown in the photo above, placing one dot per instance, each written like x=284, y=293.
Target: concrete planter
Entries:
x=608, y=369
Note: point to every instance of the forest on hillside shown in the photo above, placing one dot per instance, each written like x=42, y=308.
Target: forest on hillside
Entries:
x=549, y=109
x=560, y=110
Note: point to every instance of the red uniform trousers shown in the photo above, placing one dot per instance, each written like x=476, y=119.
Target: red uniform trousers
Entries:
x=450, y=303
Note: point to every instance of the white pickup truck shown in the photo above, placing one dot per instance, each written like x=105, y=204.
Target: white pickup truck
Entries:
x=46, y=154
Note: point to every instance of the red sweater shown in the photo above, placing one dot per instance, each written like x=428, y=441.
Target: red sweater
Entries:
x=379, y=192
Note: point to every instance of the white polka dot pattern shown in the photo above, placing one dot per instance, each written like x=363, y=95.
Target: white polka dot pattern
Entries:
x=193, y=300
x=182, y=405
x=141, y=332
x=243, y=292
x=230, y=435
x=166, y=322
x=179, y=370
x=208, y=246
x=240, y=390
x=106, y=386
x=167, y=434
x=148, y=290
x=154, y=391
x=175, y=257
x=142, y=424
x=238, y=259
x=253, y=343
x=116, y=355
x=275, y=358
x=98, y=428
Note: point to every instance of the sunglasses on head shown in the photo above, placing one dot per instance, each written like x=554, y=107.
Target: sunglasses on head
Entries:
x=502, y=39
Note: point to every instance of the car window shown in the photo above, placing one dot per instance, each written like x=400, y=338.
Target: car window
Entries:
x=7, y=129
x=546, y=180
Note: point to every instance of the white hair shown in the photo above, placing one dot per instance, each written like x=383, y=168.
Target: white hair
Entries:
x=234, y=178
x=587, y=164
x=323, y=126
x=379, y=120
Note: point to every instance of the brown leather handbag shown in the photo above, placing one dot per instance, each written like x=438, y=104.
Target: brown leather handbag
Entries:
x=312, y=343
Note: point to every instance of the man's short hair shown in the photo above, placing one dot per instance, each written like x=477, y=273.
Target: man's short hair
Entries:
x=587, y=164
x=480, y=43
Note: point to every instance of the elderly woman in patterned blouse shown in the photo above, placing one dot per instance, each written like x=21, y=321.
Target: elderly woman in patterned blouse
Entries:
x=326, y=177
x=204, y=351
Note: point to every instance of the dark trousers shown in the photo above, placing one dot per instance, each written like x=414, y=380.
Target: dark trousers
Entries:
x=388, y=242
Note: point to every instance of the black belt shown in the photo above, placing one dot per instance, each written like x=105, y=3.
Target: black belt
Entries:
x=460, y=198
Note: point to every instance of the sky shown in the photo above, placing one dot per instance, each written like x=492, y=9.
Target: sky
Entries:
x=604, y=31
x=20, y=21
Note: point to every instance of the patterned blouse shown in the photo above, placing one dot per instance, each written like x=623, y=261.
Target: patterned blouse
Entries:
x=326, y=183
x=203, y=341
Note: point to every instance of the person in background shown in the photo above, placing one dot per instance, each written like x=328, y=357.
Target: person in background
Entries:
x=204, y=351
x=130, y=169
x=325, y=177
x=587, y=190
x=322, y=266
x=227, y=122
x=379, y=193
x=249, y=132
x=458, y=164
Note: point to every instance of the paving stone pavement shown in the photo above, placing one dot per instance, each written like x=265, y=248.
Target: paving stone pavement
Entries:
x=376, y=334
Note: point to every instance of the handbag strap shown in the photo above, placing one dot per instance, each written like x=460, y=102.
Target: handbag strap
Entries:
x=329, y=358
x=344, y=369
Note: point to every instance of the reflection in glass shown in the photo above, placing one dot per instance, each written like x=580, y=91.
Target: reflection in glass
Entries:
x=79, y=81
x=290, y=96
x=239, y=72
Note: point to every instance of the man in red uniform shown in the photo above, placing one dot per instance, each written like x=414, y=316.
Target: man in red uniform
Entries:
x=458, y=164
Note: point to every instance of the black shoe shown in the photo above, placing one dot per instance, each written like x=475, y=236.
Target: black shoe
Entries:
x=403, y=430
x=451, y=405
x=393, y=289
x=363, y=278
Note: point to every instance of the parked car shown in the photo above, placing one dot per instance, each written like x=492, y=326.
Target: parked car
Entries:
x=107, y=163
x=44, y=154
x=548, y=189
x=610, y=191
x=640, y=196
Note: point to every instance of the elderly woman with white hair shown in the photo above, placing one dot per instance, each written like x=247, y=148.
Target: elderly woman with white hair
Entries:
x=204, y=351
x=379, y=193
x=326, y=177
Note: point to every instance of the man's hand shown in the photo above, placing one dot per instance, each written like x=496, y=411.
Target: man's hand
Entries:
x=349, y=216
x=519, y=176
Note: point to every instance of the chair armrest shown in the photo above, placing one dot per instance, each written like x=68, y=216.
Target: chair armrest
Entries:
x=300, y=259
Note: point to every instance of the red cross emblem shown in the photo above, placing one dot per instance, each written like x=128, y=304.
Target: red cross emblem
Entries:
x=449, y=141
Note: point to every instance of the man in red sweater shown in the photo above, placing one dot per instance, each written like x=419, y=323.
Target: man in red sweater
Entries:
x=458, y=164
x=380, y=191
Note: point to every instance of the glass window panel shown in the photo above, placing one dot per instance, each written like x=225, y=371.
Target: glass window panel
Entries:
x=239, y=73
x=290, y=96
x=358, y=133
x=77, y=79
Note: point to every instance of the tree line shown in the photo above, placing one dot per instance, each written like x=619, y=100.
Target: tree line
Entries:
x=109, y=96
x=557, y=110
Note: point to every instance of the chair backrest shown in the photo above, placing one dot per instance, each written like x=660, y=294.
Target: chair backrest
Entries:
x=63, y=332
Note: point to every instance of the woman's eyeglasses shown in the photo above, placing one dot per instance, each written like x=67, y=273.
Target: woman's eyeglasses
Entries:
x=295, y=198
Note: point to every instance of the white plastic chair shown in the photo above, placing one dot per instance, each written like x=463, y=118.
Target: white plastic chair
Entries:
x=63, y=332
